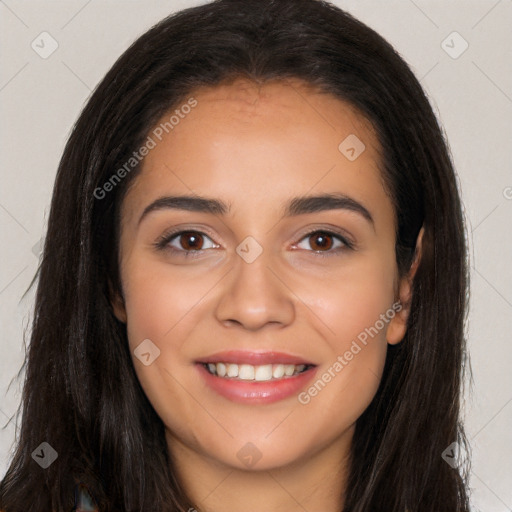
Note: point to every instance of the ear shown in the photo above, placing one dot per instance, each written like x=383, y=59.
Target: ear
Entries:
x=117, y=302
x=398, y=325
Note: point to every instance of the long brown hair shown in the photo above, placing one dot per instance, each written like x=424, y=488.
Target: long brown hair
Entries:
x=81, y=393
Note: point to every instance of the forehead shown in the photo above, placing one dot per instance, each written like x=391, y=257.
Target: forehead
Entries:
x=244, y=101
x=244, y=139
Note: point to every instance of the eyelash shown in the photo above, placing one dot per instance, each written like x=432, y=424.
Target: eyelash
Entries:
x=162, y=244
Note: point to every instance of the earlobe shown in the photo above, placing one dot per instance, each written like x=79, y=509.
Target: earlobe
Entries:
x=119, y=309
x=117, y=303
x=398, y=325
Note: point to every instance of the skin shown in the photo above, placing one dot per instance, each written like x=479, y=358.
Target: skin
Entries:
x=255, y=147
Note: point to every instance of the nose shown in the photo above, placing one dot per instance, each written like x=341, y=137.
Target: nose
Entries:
x=255, y=296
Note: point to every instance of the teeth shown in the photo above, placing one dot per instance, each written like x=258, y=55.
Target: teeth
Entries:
x=278, y=371
x=289, y=369
x=221, y=369
x=232, y=370
x=257, y=373
x=246, y=372
x=263, y=372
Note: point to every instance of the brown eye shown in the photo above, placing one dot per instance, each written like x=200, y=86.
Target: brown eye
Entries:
x=188, y=243
x=191, y=240
x=320, y=241
x=324, y=243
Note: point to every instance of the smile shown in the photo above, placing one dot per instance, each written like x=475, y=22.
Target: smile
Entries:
x=250, y=377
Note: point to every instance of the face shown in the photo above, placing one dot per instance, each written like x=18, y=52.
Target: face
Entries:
x=258, y=322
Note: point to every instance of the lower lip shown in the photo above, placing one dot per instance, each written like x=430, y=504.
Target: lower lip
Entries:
x=257, y=392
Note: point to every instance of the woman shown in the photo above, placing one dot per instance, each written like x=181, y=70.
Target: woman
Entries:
x=253, y=287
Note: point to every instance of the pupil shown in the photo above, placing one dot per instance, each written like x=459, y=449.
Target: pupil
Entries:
x=191, y=241
x=324, y=242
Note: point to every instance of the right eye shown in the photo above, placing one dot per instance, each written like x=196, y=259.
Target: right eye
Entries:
x=187, y=242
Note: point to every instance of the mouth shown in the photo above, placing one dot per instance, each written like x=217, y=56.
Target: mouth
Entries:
x=255, y=377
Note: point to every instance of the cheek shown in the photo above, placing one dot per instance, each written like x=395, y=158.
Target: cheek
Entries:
x=161, y=308
x=166, y=306
x=157, y=301
x=357, y=310
x=354, y=302
x=155, y=309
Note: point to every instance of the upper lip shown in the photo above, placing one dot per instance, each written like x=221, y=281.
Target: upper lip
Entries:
x=254, y=358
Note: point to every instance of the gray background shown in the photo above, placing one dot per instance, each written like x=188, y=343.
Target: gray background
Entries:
x=40, y=98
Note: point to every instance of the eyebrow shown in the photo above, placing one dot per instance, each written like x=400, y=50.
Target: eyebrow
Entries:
x=296, y=206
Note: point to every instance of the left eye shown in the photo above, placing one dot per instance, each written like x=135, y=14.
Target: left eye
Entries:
x=324, y=241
